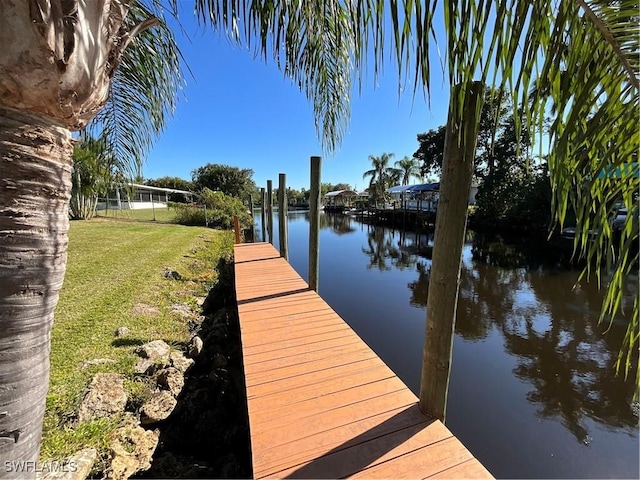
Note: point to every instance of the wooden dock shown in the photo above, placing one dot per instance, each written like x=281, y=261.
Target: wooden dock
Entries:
x=321, y=403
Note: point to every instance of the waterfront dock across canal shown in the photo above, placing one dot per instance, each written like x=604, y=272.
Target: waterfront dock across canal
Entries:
x=321, y=403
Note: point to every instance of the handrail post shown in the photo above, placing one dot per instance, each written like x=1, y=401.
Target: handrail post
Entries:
x=282, y=216
x=270, y=210
x=314, y=222
x=236, y=228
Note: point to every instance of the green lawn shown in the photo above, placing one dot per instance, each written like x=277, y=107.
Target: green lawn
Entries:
x=112, y=266
x=162, y=215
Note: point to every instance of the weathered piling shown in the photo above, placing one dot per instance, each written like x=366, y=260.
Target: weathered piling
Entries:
x=314, y=222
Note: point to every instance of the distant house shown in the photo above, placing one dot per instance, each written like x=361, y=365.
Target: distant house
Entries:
x=339, y=200
x=133, y=196
x=424, y=196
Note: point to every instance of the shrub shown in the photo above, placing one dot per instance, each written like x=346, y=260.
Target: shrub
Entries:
x=190, y=215
x=220, y=210
x=515, y=201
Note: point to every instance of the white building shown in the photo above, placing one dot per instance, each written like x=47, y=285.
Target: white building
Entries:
x=133, y=196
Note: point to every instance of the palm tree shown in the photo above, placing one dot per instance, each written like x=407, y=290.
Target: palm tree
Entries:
x=60, y=64
x=92, y=175
x=60, y=61
x=380, y=175
x=408, y=168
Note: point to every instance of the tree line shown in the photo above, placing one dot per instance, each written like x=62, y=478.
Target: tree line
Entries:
x=514, y=188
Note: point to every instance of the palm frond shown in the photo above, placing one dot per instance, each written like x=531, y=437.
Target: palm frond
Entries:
x=591, y=83
x=143, y=92
x=579, y=63
x=313, y=43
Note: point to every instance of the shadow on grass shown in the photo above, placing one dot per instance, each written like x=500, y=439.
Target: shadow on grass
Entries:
x=127, y=342
x=135, y=342
x=207, y=435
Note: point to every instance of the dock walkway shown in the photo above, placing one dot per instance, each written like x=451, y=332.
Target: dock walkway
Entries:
x=321, y=403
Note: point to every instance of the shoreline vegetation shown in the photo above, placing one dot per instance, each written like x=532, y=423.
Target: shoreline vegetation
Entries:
x=161, y=282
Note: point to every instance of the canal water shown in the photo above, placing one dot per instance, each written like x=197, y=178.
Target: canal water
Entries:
x=533, y=392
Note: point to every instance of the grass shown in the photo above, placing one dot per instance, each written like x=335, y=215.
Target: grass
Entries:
x=162, y=215
x=112, y=266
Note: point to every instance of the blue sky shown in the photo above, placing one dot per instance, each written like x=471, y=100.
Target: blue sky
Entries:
x=239, y=111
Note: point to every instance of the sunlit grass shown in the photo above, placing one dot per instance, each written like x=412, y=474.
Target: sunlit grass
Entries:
x=112, y=266
x=162, y=215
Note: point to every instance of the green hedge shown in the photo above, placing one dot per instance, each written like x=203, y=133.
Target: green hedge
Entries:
x=220, y=210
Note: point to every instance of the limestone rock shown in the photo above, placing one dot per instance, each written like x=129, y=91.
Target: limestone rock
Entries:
x=144, y=366
x=195, y=346
x=132, y=450
x=195, y=324
x=145, y=310
x=97, y=361
x=171, y=379
x=76, y=467
x=181, y=309
x=171, y=274
x=153, y=350
x=104, y=397
x=122, y=332
x=179, y=361
x=158, y=408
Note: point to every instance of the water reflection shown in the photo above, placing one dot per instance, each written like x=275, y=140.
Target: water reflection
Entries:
x=551, y=328
x=338, y=223
x=402, y=250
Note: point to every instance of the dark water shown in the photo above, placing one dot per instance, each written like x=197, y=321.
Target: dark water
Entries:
x=533, y=392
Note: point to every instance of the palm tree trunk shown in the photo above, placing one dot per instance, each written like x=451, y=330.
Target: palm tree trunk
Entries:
x=35, y=187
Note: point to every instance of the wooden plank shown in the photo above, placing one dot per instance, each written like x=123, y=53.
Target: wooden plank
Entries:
x=294, y=302
x=266, y=438
x=265, y=345
x=469, y=469
x=272, y=389
x=297, y=320
x=286, y=327
x=306, y=344
x=312, y=407
x=326, y=387
x=321, y=403
x=348, y=462
x=300, y=355
x=276, y=457
x=423, y=461
x=322, y=364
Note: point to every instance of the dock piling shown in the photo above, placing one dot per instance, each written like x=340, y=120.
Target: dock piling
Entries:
x=457, y=171
x=314, y=222
x=253, y=220
x=263, y=214
x=270, y=210
x=282, y=216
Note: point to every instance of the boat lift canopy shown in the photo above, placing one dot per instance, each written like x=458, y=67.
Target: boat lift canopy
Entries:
x=423, y=187
x=341, y=193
